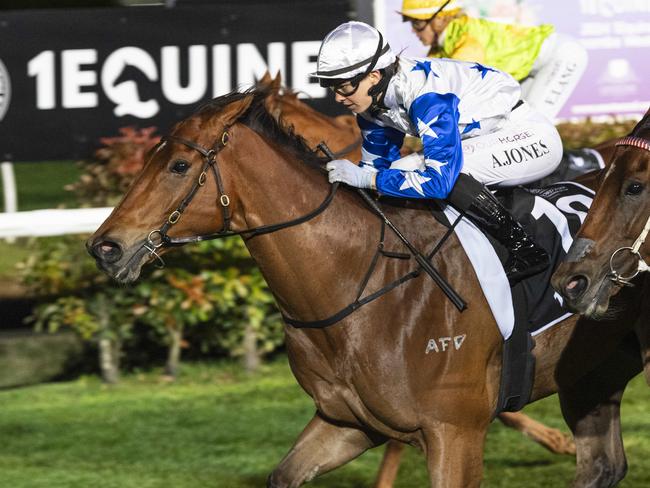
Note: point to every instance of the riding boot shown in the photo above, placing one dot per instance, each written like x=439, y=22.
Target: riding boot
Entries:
x=525, y=258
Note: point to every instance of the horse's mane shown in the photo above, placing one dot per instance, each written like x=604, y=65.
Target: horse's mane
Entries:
x=257, y=118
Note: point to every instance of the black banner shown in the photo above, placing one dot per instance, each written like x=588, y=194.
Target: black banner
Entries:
x=69, y=77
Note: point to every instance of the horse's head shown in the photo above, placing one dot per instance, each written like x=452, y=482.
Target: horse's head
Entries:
x=340, y=133
x=606, y=252
x=184, y=189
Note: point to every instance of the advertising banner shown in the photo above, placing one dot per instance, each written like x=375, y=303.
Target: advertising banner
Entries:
x=69, y=77
x=616, y=34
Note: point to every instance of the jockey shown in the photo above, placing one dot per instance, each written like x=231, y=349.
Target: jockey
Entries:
x=475, y=130
x=548, y=65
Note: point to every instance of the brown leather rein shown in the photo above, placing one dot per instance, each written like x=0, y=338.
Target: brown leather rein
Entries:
x=158, y=238
x=211, y=162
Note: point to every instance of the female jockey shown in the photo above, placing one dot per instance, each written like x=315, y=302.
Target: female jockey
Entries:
x=475, y=130
x=548, y=65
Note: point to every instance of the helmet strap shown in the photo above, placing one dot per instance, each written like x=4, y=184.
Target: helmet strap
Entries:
x=378, y=91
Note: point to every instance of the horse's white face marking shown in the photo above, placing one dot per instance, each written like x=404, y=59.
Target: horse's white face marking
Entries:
x=443, y=344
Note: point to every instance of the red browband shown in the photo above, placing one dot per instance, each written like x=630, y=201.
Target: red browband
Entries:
x=634, y=141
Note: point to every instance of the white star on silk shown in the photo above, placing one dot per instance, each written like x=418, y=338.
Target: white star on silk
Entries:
x=413, y=180
x=425, y=129
x=432, y=163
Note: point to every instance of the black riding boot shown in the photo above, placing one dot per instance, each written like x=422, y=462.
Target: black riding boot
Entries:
x=525, y=258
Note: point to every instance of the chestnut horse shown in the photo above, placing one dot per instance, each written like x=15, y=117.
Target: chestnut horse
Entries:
x=232, y=169
x=343, y=136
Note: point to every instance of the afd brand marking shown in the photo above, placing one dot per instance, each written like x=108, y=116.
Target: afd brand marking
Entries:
x=520, y=154
x=443, y=344
x=5, y=90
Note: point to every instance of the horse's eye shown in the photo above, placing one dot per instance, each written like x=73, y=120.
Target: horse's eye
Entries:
x=180, y=167
x=634, y=188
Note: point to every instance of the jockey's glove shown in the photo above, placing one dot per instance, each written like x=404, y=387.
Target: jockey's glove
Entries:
x=349, y=173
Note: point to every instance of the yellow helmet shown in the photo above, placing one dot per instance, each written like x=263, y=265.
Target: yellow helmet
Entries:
x=425, y=9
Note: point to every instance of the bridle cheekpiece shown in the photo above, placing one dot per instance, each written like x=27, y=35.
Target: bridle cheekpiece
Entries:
x=642, y=266
x=210, y=162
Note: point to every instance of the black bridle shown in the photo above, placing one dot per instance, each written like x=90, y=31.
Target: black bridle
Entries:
x=211, y=163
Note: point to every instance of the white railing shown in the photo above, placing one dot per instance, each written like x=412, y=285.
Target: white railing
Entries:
x=9, y=186
x=40, y=223
x=9, y=189
x=54, y=222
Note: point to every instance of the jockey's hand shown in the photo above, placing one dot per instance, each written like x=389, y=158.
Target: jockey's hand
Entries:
x=349, y=173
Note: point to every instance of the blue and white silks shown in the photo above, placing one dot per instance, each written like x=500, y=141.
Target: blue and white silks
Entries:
x=441, y=101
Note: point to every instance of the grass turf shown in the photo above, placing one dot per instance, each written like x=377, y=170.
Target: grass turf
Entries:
x=40, y=184
x=217, y=427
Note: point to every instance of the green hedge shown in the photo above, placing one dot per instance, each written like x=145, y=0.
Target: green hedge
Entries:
x=212, y=285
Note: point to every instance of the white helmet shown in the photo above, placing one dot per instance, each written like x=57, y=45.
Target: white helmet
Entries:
x=352, y=49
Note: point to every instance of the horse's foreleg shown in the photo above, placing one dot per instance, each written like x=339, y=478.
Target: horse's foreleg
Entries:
x=389, y=465
x=591, y=408
x=554, y=440
x=321, y=447
x=455, y=455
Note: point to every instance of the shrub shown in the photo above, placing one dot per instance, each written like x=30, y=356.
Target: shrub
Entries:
x=212, y=285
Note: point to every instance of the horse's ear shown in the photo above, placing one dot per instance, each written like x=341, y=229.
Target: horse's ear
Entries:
x=643, y=126
x=265, y=80
x=277, y=81
x=233, y=111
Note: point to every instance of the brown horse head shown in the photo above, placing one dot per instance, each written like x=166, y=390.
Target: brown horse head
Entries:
x=601, y=252
x=160, y=196
x=341, y=133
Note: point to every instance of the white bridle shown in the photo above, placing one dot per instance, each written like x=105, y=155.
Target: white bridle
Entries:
x=642, y=266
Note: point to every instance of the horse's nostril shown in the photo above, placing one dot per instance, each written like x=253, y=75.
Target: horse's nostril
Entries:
x=107, y=251
x=576, y=286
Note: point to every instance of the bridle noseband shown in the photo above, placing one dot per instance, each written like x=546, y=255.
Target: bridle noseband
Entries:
x=642, y=266
x=210, y=162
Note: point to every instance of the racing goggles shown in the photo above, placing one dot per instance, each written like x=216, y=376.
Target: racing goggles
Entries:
x=347, y=88
x=420, y=24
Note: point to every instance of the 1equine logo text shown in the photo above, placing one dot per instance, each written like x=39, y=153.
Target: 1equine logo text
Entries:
x=5, y=90
x=81, y=78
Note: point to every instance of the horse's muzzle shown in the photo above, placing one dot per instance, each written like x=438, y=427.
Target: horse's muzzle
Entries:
x=575, y=287
x=105, y=250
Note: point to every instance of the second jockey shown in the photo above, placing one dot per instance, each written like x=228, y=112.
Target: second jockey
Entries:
x=547, y=64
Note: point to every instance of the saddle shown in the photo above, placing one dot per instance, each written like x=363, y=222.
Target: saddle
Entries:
x=551, y=216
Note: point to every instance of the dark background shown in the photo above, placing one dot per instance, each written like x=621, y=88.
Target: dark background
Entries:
x=28, y=133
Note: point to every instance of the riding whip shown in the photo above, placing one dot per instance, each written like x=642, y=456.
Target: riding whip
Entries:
x=455, y=298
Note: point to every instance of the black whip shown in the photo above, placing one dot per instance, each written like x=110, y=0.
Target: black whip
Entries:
x=455, y=298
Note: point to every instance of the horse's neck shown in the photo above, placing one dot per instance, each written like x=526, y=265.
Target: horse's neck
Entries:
x=303, y=117
x=313, y=268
